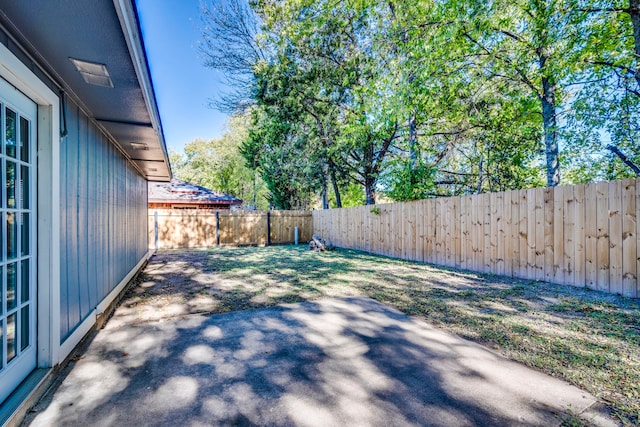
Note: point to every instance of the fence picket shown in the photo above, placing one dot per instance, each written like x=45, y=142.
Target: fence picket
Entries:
x=591, y=237
x=569, y=237
x=615, y=237
x=602, y=229
x=548, y=234
x=558, y=235
x=629, y=249
x=579, y=235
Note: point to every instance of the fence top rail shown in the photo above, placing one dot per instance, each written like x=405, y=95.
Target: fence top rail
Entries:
x=516, y=193
x=249, y=213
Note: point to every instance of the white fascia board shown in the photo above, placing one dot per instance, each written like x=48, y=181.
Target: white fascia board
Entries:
x=129, y=22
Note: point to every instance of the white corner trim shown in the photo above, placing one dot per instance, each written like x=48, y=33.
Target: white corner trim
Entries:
x=48, y=212
x=16, y=73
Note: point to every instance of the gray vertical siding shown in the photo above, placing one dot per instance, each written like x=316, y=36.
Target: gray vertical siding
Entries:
x=103, y=203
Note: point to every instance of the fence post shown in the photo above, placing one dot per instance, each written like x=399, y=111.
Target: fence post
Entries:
x=155, y=229
x=217, y=228
x=268, y=228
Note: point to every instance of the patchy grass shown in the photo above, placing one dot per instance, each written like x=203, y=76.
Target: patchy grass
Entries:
x=588, y=338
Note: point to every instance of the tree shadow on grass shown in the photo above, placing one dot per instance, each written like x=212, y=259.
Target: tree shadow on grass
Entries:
x=509, y=314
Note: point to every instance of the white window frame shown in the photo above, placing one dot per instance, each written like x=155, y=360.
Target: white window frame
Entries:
x=48, y=204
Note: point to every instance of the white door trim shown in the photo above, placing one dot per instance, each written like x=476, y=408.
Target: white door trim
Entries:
x=48, y=231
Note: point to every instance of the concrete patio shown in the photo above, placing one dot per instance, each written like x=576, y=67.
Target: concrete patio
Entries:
x=336, y=361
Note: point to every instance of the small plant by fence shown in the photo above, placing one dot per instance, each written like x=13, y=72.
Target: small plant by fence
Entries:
x=582, y=235
x=194, y=229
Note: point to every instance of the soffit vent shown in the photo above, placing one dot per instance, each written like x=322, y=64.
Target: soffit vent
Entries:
x=93, y=73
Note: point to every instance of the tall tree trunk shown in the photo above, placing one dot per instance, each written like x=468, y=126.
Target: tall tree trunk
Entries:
x=550, y=126
x=634, y=13
x=325, y=186
x=413, y=141
x=255, y=192
x=368, y=174
x=334, y=182
x=480, y=176
x=369, y=190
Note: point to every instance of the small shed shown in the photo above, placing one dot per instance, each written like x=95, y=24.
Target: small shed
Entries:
x=179, y=194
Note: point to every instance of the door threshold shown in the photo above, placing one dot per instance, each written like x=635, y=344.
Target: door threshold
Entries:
x=15, y=407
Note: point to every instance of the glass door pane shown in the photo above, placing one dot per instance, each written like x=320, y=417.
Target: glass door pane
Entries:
x=17, y=241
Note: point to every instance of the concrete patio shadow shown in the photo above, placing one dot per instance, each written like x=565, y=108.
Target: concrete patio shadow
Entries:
x=331, y=362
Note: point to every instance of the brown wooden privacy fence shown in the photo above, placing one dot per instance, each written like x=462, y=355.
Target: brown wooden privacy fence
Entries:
x=193, y=229
x=582, y=235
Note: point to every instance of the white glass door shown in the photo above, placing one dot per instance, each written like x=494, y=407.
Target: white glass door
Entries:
x=17, y=238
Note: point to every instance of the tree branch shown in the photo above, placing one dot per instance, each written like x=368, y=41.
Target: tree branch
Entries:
x=624, y=158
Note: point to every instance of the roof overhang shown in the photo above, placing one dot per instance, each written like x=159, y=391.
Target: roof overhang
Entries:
x=107, y=33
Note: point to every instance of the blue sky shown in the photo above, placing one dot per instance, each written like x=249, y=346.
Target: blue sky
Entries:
x=183, y=85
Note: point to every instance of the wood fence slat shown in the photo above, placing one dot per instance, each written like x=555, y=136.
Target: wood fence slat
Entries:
x=602, y=222
x=396, y=231
x=464, y=232
x=437, y=244
x=471, y=227
x=548, y=233
x=569, y=228
x=629, y=239
x=493, y=232
x=615, y=237
x=448, y=220
x=428, y=230
x=590, y=242
x=508, y=233
x=507, y=238
x=498, y=211
x=538, y=246
x=513, y=235
x=479, y=216
x=419, y=221
x=455, y=230
x=367, y=232
x=531, y=233
x=637, y=292
x=579, y=236
x=523, y=229
x=486, y=237
x=473, y=220
x=409, y=247
x=558, y=235
x=414, y=231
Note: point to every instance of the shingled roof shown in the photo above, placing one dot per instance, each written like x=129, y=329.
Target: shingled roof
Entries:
x=178, y=191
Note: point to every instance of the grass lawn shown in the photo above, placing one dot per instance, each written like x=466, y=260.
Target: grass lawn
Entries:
x=588, y=338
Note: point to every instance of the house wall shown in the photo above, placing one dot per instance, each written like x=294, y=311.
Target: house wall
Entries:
x=104, y=219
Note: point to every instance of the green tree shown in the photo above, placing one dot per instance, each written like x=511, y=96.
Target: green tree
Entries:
x=219, y=165
x=605, y=118
x=327, y=51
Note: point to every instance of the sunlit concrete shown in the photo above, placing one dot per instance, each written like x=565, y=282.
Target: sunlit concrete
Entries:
x=333, y=362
